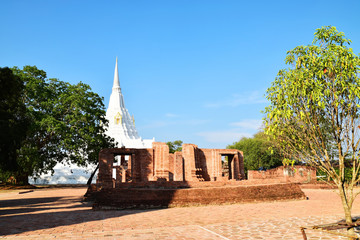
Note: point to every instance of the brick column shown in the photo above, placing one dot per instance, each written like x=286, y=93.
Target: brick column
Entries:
x=161, y=160
x=241, y=165
x=231, y=166
x=178, y=167
x=135, y=169
x=105, y=169
x=236, y=167
x=188, y=151
x=118, y=175
x=216, y=160
x=123, y=175
x=171, y=166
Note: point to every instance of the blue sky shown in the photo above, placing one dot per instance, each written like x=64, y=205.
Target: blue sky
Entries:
x=190, y=70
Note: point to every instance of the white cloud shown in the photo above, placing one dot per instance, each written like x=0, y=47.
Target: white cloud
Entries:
x=226, y=136
x=253, y=124
x=254, y=97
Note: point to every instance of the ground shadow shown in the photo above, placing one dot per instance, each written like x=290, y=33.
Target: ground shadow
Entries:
x=29, y=205
x=33, y=201
x=23, y=215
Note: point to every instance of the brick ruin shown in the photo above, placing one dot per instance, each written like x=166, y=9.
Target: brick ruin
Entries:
x=153, y=177
x=135, y=166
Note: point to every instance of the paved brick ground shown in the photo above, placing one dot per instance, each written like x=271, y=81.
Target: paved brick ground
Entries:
x=59, y=213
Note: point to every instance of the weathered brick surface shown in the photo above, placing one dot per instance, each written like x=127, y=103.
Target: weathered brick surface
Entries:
x=295, y=174
x=152, y=198
x=179, y=174
x=161, y=161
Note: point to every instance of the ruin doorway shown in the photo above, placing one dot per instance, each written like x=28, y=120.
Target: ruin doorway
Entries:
x=121, y=169
x=227, y=166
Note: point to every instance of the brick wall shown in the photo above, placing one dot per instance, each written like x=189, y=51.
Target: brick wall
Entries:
x=154, y=198
x=298, y=173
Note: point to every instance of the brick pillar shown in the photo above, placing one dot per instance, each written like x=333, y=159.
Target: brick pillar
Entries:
x=161, y=160
x=118, y=175
x=123, y=174
x=188, y=152
x=122, y=160
x=105, y=169
x=235, y=167
x=241, y=165
x=135, y=169
x=171, y=166
x=231, y=166
x=217, y=167
x=179, y=173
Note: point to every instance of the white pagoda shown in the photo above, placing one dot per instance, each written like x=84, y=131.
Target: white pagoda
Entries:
x=121, y=128
x=121, y=124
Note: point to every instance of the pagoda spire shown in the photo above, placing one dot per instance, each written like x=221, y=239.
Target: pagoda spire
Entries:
x=116, y=97
x=121, y=125
x=116, y=76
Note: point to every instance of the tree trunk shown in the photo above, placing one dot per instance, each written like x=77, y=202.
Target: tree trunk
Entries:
x=347, y=210
x=92, y=175
x=22, y=179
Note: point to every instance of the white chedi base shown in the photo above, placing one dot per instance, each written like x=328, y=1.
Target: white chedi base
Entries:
x=65, y=174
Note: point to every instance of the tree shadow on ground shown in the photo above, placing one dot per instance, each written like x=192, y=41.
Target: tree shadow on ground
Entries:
x=30, y=201
x=24, y=215
x=29, y=205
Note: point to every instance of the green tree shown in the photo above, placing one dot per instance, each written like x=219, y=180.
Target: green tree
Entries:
x=259, y=152
x=175, y=146
x=67, y=124
x=13, y=120
x=314, y=109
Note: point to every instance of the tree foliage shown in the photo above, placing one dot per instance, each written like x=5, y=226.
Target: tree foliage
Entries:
x=314, y=109
x=13, y=120
x=259, y=152
x=67, y=123
x=175, y=146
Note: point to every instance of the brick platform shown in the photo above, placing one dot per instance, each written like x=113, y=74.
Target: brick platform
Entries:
x=155, y=197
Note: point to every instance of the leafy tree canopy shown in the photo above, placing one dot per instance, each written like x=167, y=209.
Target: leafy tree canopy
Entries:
x=314, y=109
x=259, y=152
x=67, y=123
x=175, y=146
x=13, y=120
